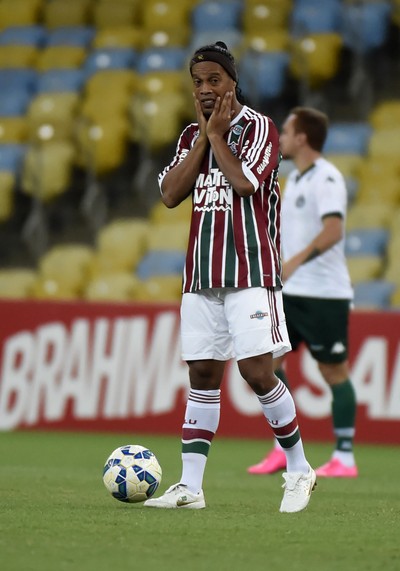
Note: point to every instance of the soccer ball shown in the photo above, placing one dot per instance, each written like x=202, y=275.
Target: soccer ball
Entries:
x=132, y=473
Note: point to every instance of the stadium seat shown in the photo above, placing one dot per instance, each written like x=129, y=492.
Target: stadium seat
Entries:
x=373, y=294
x=110, y=58
x=118, y=286
x=67, y=266
x=160, y=214
x=160, y=263
x=161, y=59
x=18, y=56
x=120, y=245
x=13, y=129
x=266, y=40
x=61, y=80
x=160, y=289
x=311, y=17
x=365, y=25
x=158, y=82
x=11, y=157
x=57, y=110
x=349, y=164
x=18, y=79
x=167, y=37
x=351, y=137
x=165, y=13
x=263, y=17
x=315, y=58
x=34, y=35
x=263, y=75
x=115, y=13
x=7, y=186
x=118, y=37
x=19, y=12
x=81, y=36
x=216, y=16
x=233, y=38
x=375, y=190
x=60, y=13
x=366, y=242
x=385, y=114
x=13, y=103
x=362, y=268
x=17, y=283
x=47, y=169
x=61, y=57
x=109, y=80
x=161, y=238
x=385, y=143
x=367, y=215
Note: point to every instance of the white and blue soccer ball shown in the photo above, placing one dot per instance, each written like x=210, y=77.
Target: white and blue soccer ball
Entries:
x=132, y=473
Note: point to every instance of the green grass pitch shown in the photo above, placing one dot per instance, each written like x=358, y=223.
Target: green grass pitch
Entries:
x=56, y=515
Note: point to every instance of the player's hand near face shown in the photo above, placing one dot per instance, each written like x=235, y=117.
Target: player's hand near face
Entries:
x=220, y=118
x=201, y=120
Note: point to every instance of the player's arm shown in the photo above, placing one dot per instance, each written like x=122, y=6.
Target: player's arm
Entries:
x=217, y=125
x=331, y=233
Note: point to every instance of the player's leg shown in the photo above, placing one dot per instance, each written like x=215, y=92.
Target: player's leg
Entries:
x=206, y=345
x=257, y=336
x=342, y=462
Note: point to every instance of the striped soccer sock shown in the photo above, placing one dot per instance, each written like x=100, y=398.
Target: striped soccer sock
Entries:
x=279, y=410
x=201, y=423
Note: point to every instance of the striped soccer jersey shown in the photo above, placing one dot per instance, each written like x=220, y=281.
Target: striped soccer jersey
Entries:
x=234, y=241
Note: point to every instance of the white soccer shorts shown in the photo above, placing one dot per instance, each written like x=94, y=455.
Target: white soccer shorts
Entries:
x=222, y=323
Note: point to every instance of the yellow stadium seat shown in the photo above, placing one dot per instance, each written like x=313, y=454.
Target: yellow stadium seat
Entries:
x=369, y=216
x=363, y=268
x=315, y=58
x=99, y=108
x=385, y=114
x=17, y=283
x=395, y=297
x=18, y=56
x=121, y=36
x=159, y=82
x=105, y=83
x=392, y=272
x=375, y=190
x=165, y=13
x=47, y=169
x=385, y=143
x=59, y=13
x=262, y=15
x=161, y=236
x=54, y=289
x=160, y=289
x=264, y=40
x=120, y=245
x=160, y=214
x=102, y=142
x=65, y=57
x=348, y=164
x=57, y=110
x=13, y=129
x=114, y=13
x=167, y=36
x=7, y=185
x=121, y=286
x=64, y=271
x=148, y=113
x=20, y=12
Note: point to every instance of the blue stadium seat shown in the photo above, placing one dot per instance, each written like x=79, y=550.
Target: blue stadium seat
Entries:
x=373, y=294
x=365, y=25
x=110, y=58
x=263, y=74
x=344, y=138
x=158, y=59
x=13, y=102
x=160, y=263
x=232, y=38
x=11, y=157
x=366, y=241
x=24, y=35
x=61, y=80
x=216, y=16
x=18, y=79
x=312, y=17
x=71, y=36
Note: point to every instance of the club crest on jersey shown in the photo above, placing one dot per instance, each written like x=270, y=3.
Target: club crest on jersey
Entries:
x=212, y=192
x=300, y=201
x=259, y=315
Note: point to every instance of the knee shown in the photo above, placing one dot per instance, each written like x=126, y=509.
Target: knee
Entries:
x=260, y=380
x=205, y=375
x=334, y=373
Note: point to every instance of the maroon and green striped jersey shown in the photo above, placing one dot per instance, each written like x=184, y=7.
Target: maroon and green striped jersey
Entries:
x=234, y=241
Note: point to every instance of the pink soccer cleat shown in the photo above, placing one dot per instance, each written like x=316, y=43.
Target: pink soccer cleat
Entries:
x=336, y=469
x=273, y=462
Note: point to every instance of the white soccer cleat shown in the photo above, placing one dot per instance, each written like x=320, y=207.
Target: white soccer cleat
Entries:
x=177, y=497
x=298, y=488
